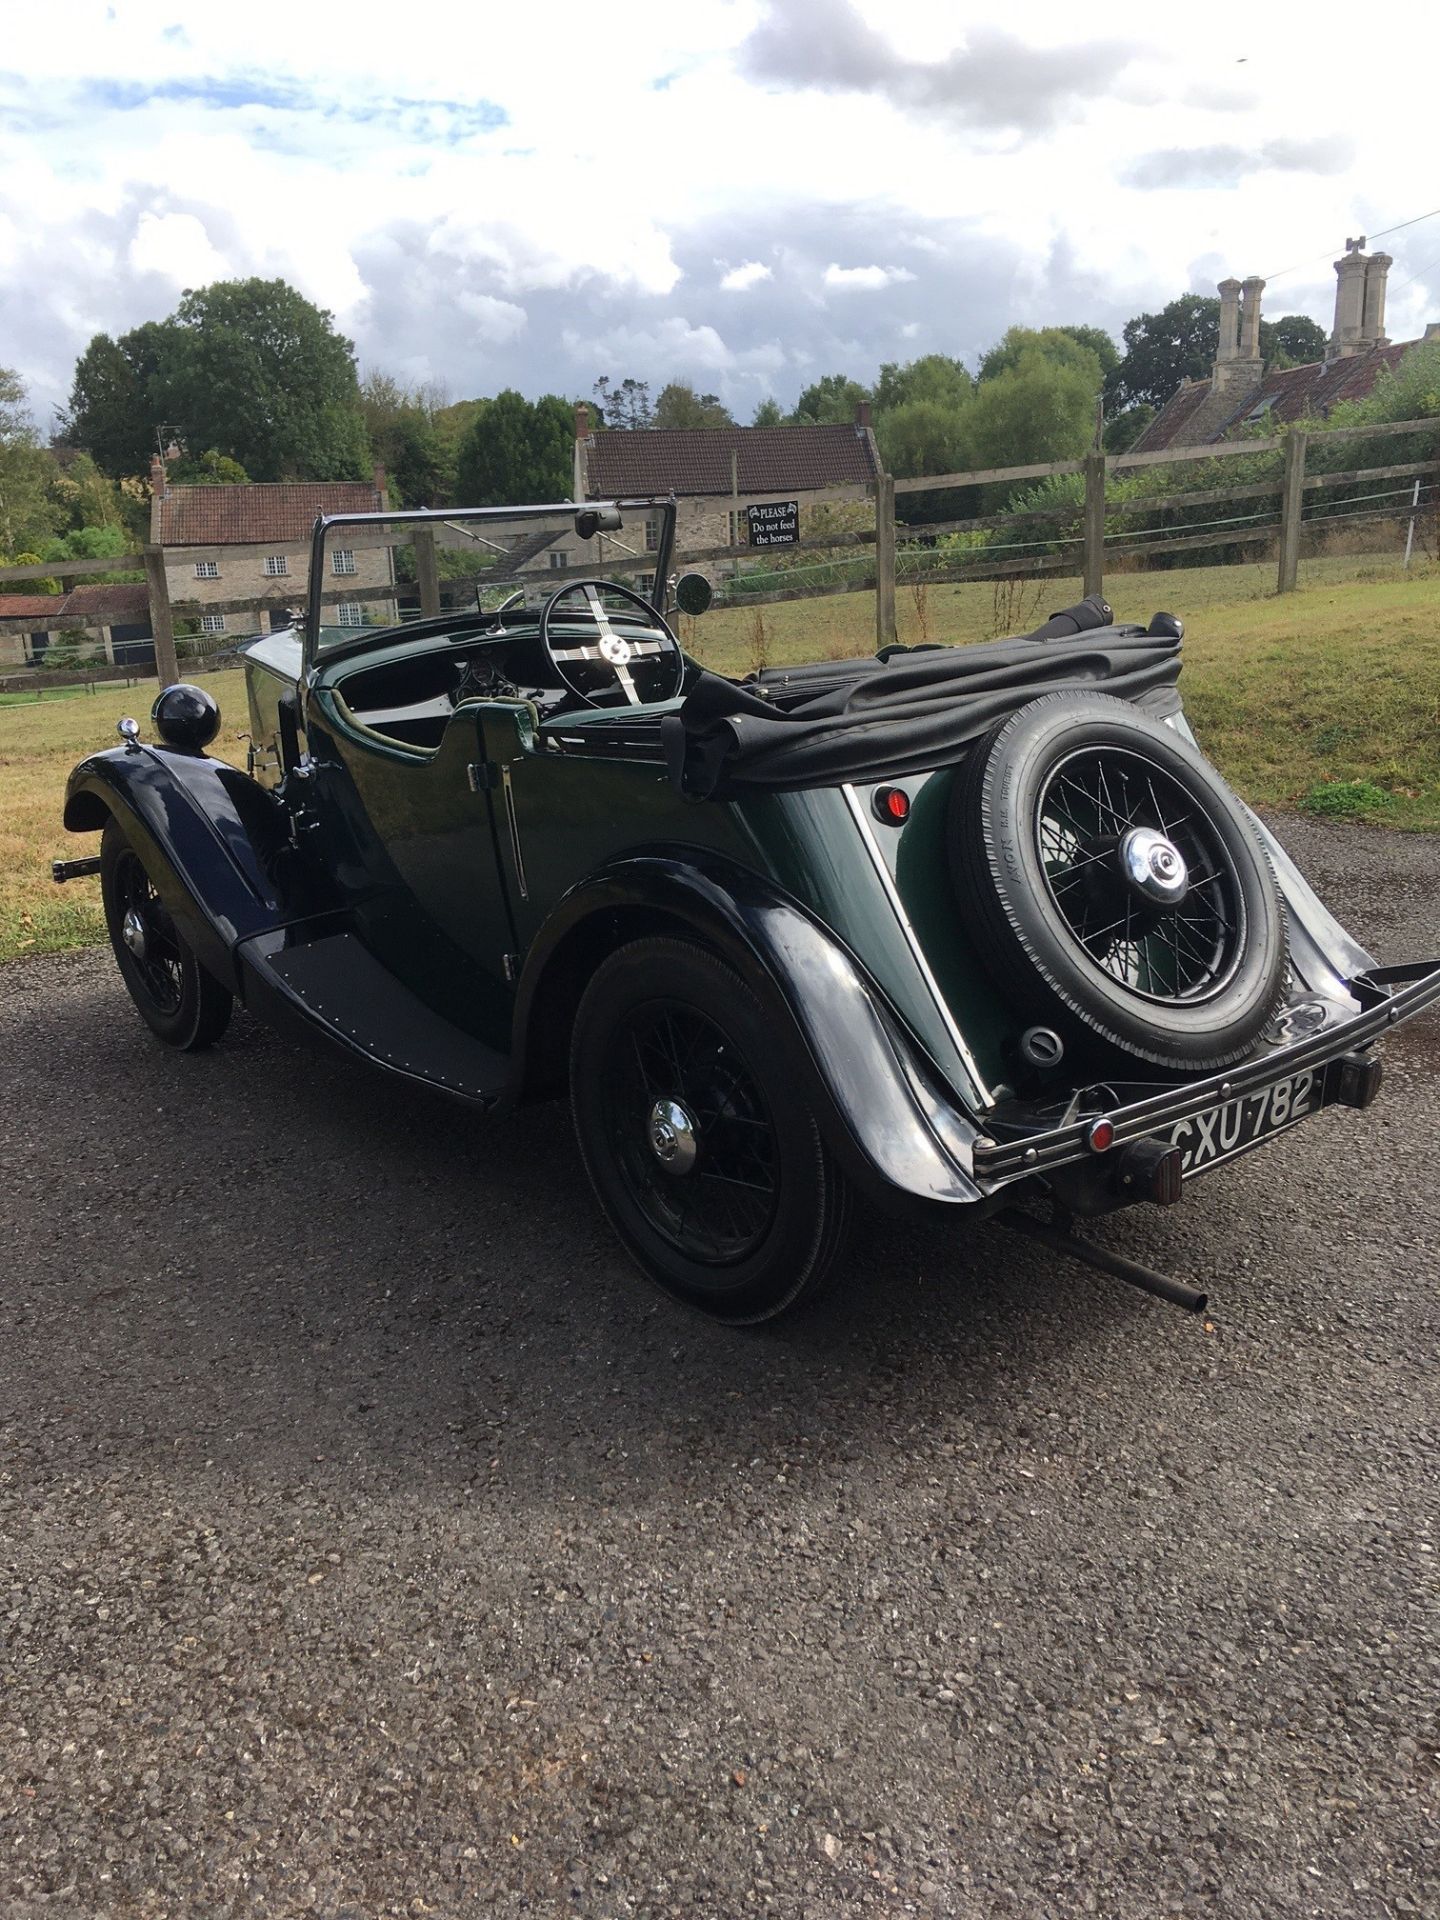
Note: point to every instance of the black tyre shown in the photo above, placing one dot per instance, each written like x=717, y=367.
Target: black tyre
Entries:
x=177, y=999
x=697, y=1136
x=1103, y=864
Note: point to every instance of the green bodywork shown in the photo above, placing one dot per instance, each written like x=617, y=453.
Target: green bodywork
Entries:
x=459, y=854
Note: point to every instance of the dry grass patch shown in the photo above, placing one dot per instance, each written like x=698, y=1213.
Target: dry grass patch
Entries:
x=39, y=743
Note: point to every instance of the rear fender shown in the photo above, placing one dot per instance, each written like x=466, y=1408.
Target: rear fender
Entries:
x=875, y=1097
x=213, y=841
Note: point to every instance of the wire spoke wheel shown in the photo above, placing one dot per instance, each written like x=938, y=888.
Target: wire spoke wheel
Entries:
x=694, y=1118
x=1140, y=875
x=694, y=1138
x=180, y=1002
x=148, y=935
x=1115, y=886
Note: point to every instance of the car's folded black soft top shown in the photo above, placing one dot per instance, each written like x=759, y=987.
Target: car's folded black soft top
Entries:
x=904, y=710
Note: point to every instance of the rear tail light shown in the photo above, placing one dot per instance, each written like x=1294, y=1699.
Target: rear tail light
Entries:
x=1359, y=1078
x=1151, y=1170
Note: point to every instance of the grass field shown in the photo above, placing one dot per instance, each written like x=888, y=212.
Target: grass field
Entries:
x=1327, y=699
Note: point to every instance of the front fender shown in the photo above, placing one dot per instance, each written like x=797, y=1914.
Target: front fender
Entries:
x=213, y=841
x=875, y=1095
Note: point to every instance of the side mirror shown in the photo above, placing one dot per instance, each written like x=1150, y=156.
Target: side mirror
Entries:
x=595, y=520
x=693, y=593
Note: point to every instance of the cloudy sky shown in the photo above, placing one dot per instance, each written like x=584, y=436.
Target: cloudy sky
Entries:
x=744, y=193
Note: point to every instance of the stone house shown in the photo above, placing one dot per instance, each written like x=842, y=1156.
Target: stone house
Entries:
x=1239, y=393
x=233, y=543
x=113, y=620
x=715, y=473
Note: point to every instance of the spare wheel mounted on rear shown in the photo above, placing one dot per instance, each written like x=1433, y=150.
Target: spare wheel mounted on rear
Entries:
x=1102, y=863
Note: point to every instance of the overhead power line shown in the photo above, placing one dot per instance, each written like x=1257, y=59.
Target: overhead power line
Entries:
x=1329, y=252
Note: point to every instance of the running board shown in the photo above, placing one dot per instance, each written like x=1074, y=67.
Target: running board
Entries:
x=338, y=991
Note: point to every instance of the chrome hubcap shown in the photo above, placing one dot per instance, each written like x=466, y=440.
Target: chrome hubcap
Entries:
x=671, y=1133
x=132, y=932
x=1154, y=866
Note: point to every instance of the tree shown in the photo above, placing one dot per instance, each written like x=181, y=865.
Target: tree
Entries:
x=921, y=436
x=517, y=452
x=248, y=368
x=769, y=413
x=1123, y=429
x=1294, y=340
x=210, y=469
x=1080, y=347
x=256, y=371
x=118, y=402
x=830, y=401
x=28, y=510
x=680, y=407
x=1039, y=409
x=624, y=406
x=1163, y=349
x=934, y=377
x=419, y=460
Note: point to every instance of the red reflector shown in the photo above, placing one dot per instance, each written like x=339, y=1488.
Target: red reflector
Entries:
x=892, y=804
x=1101, y=1137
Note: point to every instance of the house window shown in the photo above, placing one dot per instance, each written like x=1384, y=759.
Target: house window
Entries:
x=342, y=560
x=207, y=569
x=652, y=536
x=350, y=614
x=558, y=559
x=645, y=585
x=212, y=623
x=276, y=564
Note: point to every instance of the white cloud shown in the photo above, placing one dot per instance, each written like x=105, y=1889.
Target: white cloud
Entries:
x=741, y=279
x=865, y=279
x=177, y=246
x=458, y=210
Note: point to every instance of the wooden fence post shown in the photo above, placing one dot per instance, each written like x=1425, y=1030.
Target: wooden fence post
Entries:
x=1094, y=566
x=427, y=570
x=167, y=668
x=1292, y=501
x=886, y=633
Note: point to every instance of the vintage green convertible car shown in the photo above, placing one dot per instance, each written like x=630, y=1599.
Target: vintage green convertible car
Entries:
x=959, y=927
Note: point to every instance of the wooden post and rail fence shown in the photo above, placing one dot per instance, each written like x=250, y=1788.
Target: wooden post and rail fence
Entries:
x=1084, y=552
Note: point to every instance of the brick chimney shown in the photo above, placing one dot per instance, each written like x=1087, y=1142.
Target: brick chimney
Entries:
x=862, y=414
x=159, y=477
x=1372, y=322
x=1239, y=368
x=1229, y=347
x=582, y=420
x=1348, y=336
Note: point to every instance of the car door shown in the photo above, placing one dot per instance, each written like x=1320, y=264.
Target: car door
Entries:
x=410, y=839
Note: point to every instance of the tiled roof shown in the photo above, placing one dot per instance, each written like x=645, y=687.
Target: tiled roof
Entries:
x=41, y=607
x=93, y=606
x=283, y=511
x=1291, y=393
x=120, y=600
x=697, y=461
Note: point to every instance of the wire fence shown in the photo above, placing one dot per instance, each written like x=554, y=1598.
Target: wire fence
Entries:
x=1116, y=514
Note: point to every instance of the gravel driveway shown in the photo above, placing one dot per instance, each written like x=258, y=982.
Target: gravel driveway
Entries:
x=374, y=1543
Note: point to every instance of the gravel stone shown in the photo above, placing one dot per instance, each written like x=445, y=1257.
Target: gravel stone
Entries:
x=373, y=1542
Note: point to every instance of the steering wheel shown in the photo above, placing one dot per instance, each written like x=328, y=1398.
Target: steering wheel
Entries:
x=646, y=668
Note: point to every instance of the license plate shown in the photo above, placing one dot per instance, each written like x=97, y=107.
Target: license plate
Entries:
x=1234, y=1126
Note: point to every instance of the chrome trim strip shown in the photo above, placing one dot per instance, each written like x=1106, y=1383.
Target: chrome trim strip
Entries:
x=897, y=907
x=514, y=826
x=1415, y=987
